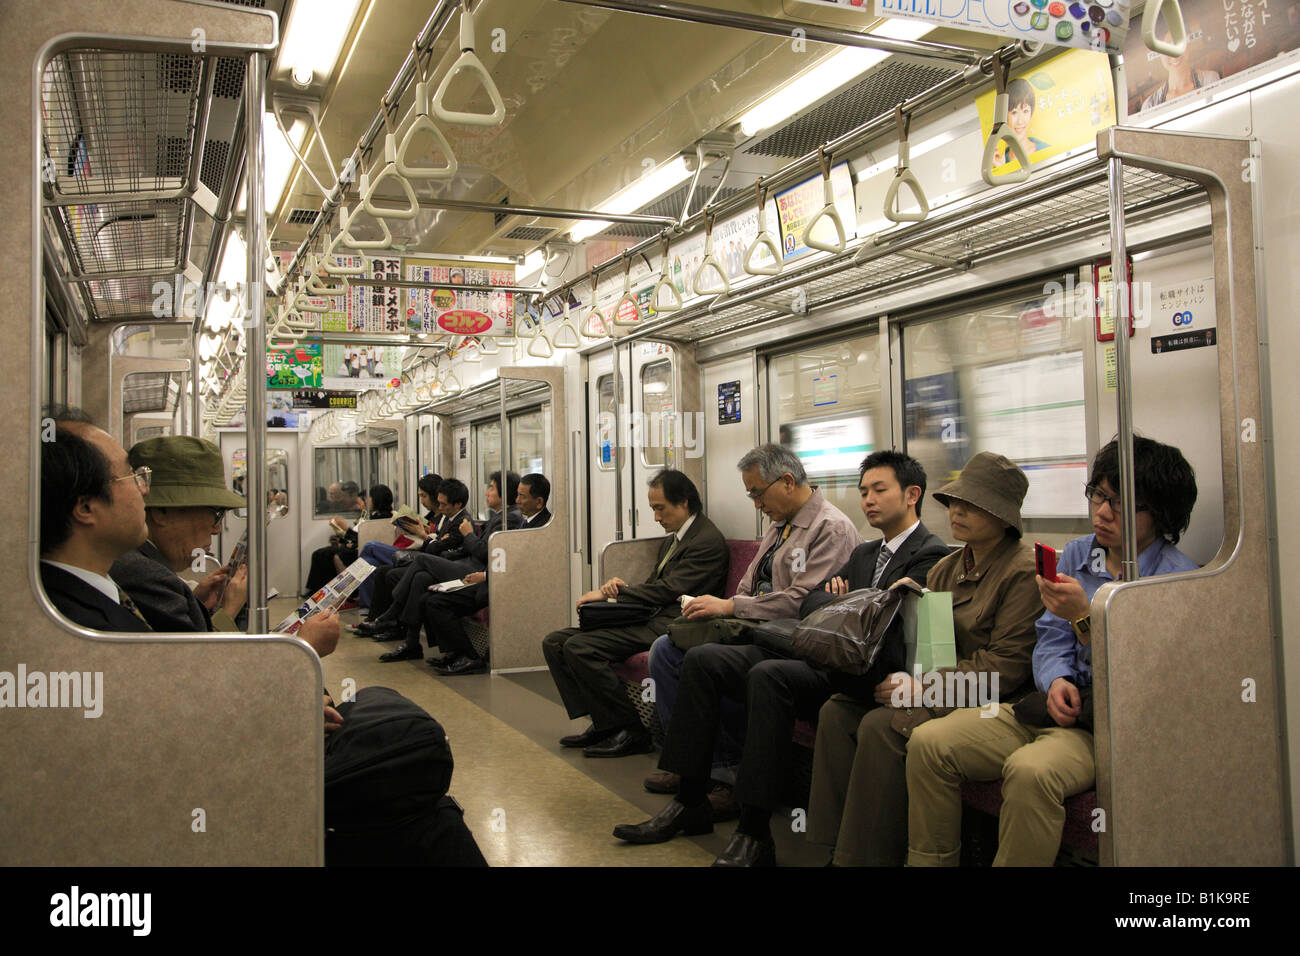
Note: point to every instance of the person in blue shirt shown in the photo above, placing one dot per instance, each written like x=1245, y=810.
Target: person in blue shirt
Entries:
x=1042, y=747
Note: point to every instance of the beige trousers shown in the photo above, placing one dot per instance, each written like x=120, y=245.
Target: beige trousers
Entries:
x=1039, y=768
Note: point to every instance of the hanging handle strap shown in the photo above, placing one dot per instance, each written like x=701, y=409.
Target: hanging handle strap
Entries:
x=421, y=122
x=721, y=286
x=346, y=220
x=595, y=319
x=764, y=240
x=1177, y=44
x=628, y=298
x=566, y=336
x=903, y=176
x=828, y=211
x=1001, y=132
x=388, y=170
x=674, y=302
x=469, y=62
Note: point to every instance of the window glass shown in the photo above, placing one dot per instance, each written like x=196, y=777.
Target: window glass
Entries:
x=659, y=423
x=528, y=442
x=605, y=438
x=334, y=467
x=487, y=450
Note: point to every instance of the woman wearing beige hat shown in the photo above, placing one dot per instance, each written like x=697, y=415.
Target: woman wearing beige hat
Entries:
x=859, y=793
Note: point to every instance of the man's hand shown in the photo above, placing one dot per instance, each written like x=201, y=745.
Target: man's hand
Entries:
x=610, y=587
x=333, y=720
x=466, y=527
x=706, y=605
x=209, y=589
x=908, y=688
x=1064, y=597
x=837, y=586
x=321, y=632
x=236, y=592
x=590, y=596
x=475, y=577
x=1063, y=702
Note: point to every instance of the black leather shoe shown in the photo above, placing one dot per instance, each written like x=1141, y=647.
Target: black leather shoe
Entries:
x=623, y=743
x=442, y=660
x=407, y=652
x=371, y=628
x=661, y=781
x=667, y=823
x=588, y=737
x=744, y=850
x=463, y=665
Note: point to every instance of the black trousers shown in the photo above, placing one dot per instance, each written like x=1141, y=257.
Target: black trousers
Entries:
x=776, y=692
x=580, y=663
x=381, y=598
x=426, y=569
x=444, y=618
x=322, y=566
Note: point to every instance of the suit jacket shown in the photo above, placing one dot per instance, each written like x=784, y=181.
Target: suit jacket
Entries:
x=82, y=604
x=476, y=545
x=166, y=601
x=449, y=547
x=697, y=566
x=914, y=559
x=539, y=520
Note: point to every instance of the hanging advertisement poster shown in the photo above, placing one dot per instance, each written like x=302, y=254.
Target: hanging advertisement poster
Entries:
x=1053, y=107
x=799, y=204
x=456, y=311
x=360, y=367
x=297, y=366
x=320, y=398
x=1224, y=38
x=375, y=307
x=1100, y=25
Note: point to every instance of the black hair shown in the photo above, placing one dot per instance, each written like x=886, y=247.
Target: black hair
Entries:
x=538, y=485
x=511, y=489
x=72, y=468
x=906, y=469
x=677, y=489
x=1163, y=480
x=455, y=491
x=1020, y=93
x=350, y=488
x=430, y=484
x=381, y=498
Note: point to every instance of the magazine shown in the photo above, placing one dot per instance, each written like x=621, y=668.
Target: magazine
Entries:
x=451, y=585
x=329, y=598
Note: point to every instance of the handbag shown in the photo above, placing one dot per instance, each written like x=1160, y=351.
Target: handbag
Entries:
x=848, y=634
x=601, y=615
x=686, y=634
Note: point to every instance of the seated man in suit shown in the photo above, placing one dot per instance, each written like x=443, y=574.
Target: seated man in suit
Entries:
x=406, y=615
x=381, y=555
x=186, y=500
x=92, y=512
x=444, y=611
x=807, y=540
x=692, y=560
x=445, y=538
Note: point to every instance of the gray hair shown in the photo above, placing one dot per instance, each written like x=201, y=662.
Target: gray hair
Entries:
x=773, y=461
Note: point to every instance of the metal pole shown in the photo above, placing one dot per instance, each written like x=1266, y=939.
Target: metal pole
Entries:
x=617, y=444
x=1123, y=387
x=255, y=361
x=540, y=212
x=502, y=485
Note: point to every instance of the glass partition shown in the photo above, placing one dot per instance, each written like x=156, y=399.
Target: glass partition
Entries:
x=336, y=471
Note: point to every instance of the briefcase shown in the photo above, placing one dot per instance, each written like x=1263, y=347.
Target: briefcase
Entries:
x=601, y=615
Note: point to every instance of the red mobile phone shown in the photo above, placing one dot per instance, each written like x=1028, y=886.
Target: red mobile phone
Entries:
x=1045, y=561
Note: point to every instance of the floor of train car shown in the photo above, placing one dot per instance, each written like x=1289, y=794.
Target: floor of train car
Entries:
x=528, y=801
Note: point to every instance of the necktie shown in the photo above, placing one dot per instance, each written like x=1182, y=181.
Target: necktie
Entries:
x=130, y=606
x=667, y=554
x=882, y=561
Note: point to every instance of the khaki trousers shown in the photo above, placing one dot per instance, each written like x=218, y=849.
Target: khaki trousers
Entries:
x=1039, y=768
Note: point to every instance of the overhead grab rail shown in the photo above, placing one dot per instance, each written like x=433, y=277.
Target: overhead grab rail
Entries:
x=764, y=240
x=1177, y=44
x=422, y=122
x=470, y=62
x=311, y=108
x=903, y=176
x=723, y=286
x=674, y=302
x=828, y=211
x=1001, y=132
x=388, y=170
x=628, y=298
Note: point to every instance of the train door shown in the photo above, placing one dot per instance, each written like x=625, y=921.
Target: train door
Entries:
x=603, y=446
x=487, y=459
x=655, y=429
x=283, y=511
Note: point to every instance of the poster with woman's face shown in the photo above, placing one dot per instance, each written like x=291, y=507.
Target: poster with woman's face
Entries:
x=1224, y=37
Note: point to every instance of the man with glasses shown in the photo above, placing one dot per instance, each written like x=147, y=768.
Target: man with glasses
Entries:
x=1042, y=747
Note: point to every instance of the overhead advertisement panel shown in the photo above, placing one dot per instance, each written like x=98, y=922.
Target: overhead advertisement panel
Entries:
x=1083, y=24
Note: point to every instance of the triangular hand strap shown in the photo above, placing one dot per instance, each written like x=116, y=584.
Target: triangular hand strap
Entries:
x=674, y=302
x=828, y=211
x=1001, y=133
x=346, y=221
x=1177, y=44
x=423, y=124
x=540, y=346
x=893, y=208
x=389, y=170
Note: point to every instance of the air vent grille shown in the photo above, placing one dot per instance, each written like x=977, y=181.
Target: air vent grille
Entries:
x=216, y=154
x=529, y=233
x=228, y=83
x=303, y=217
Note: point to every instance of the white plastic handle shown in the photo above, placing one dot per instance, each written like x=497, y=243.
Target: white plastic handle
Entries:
x=588, y=331
x=369, y=188
x=468, y=354
x=893, y=208
x=674, y=302
x=347, y=218
x=302, y=303
x=487, y=345
x=1177, y=44
x=764, y=240
x=540, y=346
x=710, y=262
x=469, y=61
x=329, y=261
x=423, y=124
x=1002, y=132
x=630, y=298
x=828, y=211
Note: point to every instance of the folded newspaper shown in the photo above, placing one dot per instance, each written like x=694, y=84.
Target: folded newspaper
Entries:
x=450, y=585
x=329, y=598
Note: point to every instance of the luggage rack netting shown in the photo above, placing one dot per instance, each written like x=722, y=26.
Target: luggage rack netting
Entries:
x=116, y=298
x=125, y=236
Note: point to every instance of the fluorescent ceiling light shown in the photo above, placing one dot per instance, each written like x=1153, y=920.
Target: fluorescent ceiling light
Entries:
x=533, y=262
x=642, y=192
x=280, y=160
x=826, y=77
x=314, y=37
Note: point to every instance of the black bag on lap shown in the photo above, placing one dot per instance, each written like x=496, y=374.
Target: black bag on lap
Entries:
x=597, y=615
x=387, y=770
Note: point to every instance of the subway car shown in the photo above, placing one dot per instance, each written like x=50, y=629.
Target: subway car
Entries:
x=343, y=246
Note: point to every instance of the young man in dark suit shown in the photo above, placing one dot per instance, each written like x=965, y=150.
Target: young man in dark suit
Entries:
x=692, y=560
x=777, y=691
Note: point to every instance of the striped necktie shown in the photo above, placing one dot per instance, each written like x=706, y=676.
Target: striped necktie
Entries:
x=668, y=554
x=882, y=561
x=130, y=606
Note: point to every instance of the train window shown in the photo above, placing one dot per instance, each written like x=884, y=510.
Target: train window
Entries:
x=487, y=456
x=1008, y=378
x=277, y=481
x=826, y=401
x=657, y=402
x=604, y=425
x=528, y=441
x=332, y=468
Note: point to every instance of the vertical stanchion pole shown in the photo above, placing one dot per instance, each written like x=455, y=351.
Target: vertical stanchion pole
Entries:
x=255, y=359
x=1123, y=384
x=617, y=444
x=503, y=485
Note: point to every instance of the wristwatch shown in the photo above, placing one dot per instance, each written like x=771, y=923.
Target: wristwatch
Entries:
x=1083, y=628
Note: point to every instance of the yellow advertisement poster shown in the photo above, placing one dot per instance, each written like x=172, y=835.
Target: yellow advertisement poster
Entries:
x=1053, y=107
x=798, y=205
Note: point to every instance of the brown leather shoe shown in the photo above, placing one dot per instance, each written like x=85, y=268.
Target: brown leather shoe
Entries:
x=661, y=781
x=723, y=802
